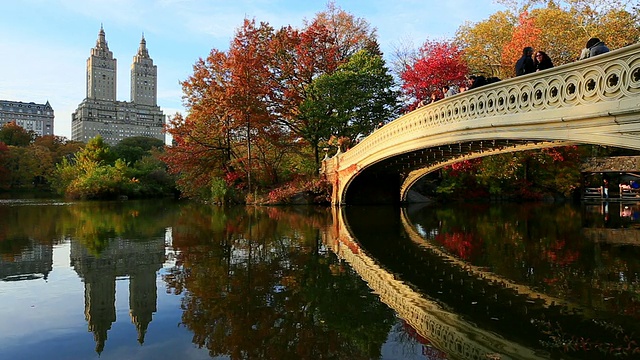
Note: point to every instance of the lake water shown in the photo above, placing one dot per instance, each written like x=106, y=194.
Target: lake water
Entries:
x=167, y=279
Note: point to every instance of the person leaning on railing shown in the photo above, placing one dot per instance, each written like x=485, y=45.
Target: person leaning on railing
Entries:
x=542, y=61
x=525, y=64
x=594, y=47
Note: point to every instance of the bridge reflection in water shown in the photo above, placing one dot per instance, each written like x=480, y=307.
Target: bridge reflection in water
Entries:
x=473, y=312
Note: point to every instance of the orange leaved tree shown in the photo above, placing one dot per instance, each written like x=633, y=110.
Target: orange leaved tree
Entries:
x=526, y=33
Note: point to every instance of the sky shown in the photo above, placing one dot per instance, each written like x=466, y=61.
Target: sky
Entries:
x=44, y=44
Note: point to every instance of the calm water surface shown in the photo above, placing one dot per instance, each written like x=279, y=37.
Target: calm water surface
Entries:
x=165, y=280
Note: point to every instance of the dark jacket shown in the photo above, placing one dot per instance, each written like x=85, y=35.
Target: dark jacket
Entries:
x=597, y=49
x=544, y=64
x=525, y=65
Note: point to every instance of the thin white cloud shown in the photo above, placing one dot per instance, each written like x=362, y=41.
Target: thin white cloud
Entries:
x=44, y=44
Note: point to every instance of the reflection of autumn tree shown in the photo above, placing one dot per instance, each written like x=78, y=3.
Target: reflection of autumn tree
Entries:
x=460, y=243
x=540, y=246
x=260, y=284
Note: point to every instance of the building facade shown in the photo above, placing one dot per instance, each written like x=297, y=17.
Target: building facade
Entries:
x=31, y=116
x=100, y=113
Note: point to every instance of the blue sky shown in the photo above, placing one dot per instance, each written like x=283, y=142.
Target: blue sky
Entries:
x=44, y=44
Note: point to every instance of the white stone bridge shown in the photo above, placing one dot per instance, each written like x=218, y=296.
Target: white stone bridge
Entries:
x=592, y=101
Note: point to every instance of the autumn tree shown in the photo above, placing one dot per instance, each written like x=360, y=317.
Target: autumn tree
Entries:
x=60, y=146
x=24, y=164
x=561, y=29
x=229, y=98
x=300, y=57
x=482, y=44
x=332, y=38
x=246, y=127
x=348, y=33
x=249, y=89
x=567, y=25
x=14, y=134
x=202, y=142
x=43, y=166
x=617, y=22
x=618, y=27
x=525, y=34
x=531, y=174
x=560, y=36
x=440, y=63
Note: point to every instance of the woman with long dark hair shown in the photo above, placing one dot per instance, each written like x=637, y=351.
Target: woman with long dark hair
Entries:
x=542, y=61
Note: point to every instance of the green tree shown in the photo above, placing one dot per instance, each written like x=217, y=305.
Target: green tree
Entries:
x=4, y=167
x=352, y=101
x=89, y=175
x=135, y=148
x=96, y=150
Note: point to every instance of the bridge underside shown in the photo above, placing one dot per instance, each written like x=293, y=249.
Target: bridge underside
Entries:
x=388, y=181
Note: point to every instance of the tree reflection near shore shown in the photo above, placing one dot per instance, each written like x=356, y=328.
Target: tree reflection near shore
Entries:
x=259, y=283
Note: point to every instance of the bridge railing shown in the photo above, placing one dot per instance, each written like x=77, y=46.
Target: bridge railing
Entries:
x=596, y=84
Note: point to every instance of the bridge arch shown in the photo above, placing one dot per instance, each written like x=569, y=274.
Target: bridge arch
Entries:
x=593, y=101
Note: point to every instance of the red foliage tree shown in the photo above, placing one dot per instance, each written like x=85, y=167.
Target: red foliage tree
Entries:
x=299, y=58
x=250, y=89
x=438, y=64
x=525, y=34
x=202, y=141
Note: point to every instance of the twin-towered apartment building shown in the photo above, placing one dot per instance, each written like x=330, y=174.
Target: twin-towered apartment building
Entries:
x=100, y=113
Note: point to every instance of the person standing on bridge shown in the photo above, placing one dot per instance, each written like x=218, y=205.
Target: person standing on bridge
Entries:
x=475, y=81
x=542, y=61
x=594, y=47
x=448, y=91
x=525, y=64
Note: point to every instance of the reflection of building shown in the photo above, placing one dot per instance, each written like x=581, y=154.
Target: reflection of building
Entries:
x=139, y=260
x=101, y=114
x=30, y=116
x=36, y=259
